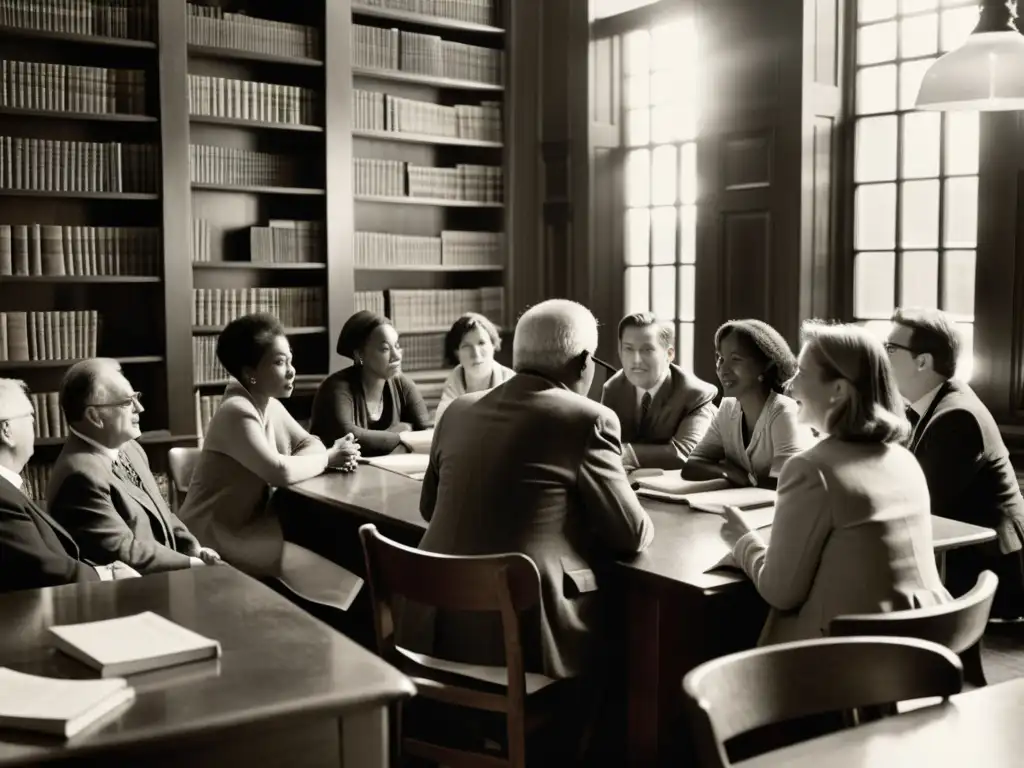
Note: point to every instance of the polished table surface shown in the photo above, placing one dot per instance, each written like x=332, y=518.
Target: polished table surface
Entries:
x=277, y=661
x=979, y=728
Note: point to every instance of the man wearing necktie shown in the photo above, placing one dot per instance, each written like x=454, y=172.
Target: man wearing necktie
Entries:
x=101, y=487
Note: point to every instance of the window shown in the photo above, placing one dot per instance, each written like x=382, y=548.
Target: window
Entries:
x=915, y=173
x=660, y=106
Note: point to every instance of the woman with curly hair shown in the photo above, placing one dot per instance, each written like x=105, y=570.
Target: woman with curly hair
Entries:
x=756, y=428
x=470, y=345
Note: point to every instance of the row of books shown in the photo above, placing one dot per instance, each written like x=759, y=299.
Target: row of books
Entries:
x=397, y=178
x=50, y=421
x=414, y=52
x=211, y=26
x=206, y=406
x=292, y=306
x=383, y=249
x=376, y=111
x=280, y=242
x=48, y=335
x=72, y=88
x=413, y=310
x=205, y=365
x=54, y=165
x=475, y=11
x=54, y=250
x=36, y=476
x=423, y=351
x=247, y=100
x=209, y=164
x=128, y=19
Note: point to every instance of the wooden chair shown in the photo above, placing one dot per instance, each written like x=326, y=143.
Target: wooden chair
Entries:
x=958, y=625
x=744, y=691
x=508, y=584
x=181, y=462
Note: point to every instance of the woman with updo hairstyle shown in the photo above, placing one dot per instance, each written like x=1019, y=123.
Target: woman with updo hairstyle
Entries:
x=756, y=427
x=852, y=531
x=470, y=345
x=252, y=446
x=370, y=399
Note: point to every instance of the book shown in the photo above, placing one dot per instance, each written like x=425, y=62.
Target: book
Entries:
x=132, y=644
x=54, y=706
x=743, y=498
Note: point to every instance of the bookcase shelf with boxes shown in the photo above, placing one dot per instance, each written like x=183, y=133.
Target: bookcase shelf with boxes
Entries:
x=428, y=176
x=81, y=268
x=256, y=88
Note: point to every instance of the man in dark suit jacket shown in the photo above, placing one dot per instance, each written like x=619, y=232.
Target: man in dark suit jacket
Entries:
x=532, y=466
x=101, y=487
x=962, y=453
x=664, y=411
x=35, y=551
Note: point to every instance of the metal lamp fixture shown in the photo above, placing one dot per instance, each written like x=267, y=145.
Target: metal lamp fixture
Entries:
x=986, y=73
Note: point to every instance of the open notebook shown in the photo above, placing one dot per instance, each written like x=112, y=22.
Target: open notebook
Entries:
x=61, y=707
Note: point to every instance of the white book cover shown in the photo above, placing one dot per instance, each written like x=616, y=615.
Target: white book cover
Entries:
x=62, y=707
x=131, y=644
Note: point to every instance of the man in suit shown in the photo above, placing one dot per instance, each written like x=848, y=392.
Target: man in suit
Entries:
x=35, y=551
x=101, y=488
x=534, y=466
x=962, y=453
x=664, y=411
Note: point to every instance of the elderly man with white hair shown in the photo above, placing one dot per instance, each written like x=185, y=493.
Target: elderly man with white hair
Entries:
x=532, y=466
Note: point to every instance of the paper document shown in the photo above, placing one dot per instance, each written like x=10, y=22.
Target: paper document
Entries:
x=419, y=441
x=673, y=483
x=744, y=498
x=410, y=464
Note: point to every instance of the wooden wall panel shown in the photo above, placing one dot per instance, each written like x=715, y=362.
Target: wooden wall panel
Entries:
x=746, y=260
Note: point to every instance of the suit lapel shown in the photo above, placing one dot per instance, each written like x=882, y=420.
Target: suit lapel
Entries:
x=144, y=498
x=922, y=425
x=627, y=406
x=42, y=517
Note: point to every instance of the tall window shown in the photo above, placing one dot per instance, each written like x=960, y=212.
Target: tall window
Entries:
x=916, y=173
x=660, y=102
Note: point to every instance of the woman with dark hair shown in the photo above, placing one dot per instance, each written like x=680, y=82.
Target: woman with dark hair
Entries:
x=756, y=427
x=252, y=446
x=852, y=531
x=370, y=399
x=470, y=346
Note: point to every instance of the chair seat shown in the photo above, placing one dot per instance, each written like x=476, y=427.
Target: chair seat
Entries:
x=496, y=676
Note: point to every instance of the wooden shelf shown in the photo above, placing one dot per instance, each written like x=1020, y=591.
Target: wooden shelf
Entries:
x=108, y=117
x=428, y=374
x=432, y=268
x=259, y=190
x=424, y=138
x=156, y=437
x=435, y=201
x=74, y=279
x=262, y=124
x=437, y=329
x=79, y=195
x=424, y=19
x=8, y=365
x=74, y=37
x=301, y=330
x=304, y=379
x=411, y=77
x=211, y=52
x=258, y=265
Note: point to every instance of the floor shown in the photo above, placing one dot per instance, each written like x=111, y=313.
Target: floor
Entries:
x=1002, y=652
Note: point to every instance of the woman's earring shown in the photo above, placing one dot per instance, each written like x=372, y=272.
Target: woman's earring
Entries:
x=252, y=379
x=760, y=377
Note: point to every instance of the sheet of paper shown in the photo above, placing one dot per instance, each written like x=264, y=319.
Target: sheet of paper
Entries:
x=672, y=482
x=403, y=463
x=418, y=442
x=715, y=501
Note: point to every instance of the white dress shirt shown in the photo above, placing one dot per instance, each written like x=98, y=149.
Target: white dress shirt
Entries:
x=109, y=452
x=923, y=403
x=11, y=477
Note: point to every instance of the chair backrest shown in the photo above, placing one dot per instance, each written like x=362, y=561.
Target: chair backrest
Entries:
x=743, y=691
x=181, y=462
x=957, y=625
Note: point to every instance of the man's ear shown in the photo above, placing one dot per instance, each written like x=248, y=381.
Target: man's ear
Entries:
x=670, y=353
x=6, y=434
x=92, y=415
x=925, y=362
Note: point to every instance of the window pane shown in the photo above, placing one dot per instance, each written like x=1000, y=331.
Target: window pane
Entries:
x=961, y=212
x=920, y=281
x=919, y=35
x=876, y=149
x=919, y=225
x=638, y=127
x=665, y=87
x=663, y=171
x=874, y=10
x=961, y=142
x=876, y=89
x=957, y=25
x=965, y=363
x=684, y=346
x=637, y=56
x=921, y=145
x=666, y=42
x=914, y=6
x=666, y=123
x=688, y=173
x=958, y=284
x=911, y=75
x=664, y=304
x=664, y=235
x=638, y=91
x=637, y=290
x=638, y=177
x=876, y=43
x=688, y=226
x=874, y=285
x=638, y=236
x=875, y=214
x=687, y=293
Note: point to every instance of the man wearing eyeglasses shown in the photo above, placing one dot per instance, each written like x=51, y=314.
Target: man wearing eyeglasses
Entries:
x=959, y=447
x=35, y=550
x=101, y=488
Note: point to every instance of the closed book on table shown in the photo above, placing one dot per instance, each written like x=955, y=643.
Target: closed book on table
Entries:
x=54, y=706
x=132, y=644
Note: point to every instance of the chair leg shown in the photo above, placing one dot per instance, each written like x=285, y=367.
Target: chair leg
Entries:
x=974, y=672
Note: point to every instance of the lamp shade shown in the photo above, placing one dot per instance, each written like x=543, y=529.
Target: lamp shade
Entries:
x=985, y=74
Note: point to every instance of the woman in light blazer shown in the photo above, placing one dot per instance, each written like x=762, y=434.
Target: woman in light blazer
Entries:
x=853, y=528
x=470, y=346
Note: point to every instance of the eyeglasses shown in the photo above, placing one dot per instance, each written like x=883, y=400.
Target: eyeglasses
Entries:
x=135, y=399
x=892, y=346
x=603, y=364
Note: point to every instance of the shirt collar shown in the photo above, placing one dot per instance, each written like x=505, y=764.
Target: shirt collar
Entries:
x=924, y=402
x=11, y=477
x=653, y=390
x=111, y=453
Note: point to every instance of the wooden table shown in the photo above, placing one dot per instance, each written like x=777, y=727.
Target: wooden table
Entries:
x=287, y=690
x=672, y=615
x=980, y=728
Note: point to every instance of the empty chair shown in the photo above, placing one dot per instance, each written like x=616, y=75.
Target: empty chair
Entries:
x=181, y=462
x=744, y=691
x=958, y=625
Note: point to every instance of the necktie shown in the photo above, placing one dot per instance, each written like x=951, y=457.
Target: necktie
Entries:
x=129, y=470
x=913, y=417
x=645, y=406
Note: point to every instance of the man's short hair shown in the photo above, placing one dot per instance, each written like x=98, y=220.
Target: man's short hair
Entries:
x=666, y=336
x=81, y=384
x=12, y=392
x=933, y=333
x=550, y=334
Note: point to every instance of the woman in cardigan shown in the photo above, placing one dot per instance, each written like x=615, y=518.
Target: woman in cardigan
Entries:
x=252, y=446
x=756, y=427
x=470, y=346
x=371, y=399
